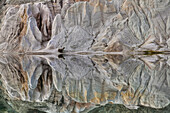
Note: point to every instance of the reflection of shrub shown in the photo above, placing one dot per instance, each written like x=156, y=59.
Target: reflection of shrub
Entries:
x=116, y=108
x=4, y=107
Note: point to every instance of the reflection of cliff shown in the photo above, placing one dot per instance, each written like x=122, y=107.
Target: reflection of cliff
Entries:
x=83, y=81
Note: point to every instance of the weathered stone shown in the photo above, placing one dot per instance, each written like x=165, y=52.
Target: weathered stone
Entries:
x=133, y=24
x=109, y=31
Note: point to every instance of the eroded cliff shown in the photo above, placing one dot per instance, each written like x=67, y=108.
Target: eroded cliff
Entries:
x=96, y=25
x=76, y=54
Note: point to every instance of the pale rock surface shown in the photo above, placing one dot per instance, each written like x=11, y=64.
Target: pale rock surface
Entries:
x=79, y=83
x=135, y=25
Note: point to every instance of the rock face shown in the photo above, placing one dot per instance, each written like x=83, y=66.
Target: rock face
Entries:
x=95, y=25
x=84, y=50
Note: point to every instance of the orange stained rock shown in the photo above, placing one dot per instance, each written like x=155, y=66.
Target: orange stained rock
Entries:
x=127, y=96
x=103, y=97
x=131, y=97
x=23, y=25
x=111, y=96
x=127, y=6
x=24, y=81
x=96, y=100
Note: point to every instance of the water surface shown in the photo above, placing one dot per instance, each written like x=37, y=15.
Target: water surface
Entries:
x=84, y=83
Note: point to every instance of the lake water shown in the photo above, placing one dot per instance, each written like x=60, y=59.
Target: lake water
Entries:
x=107, y=83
